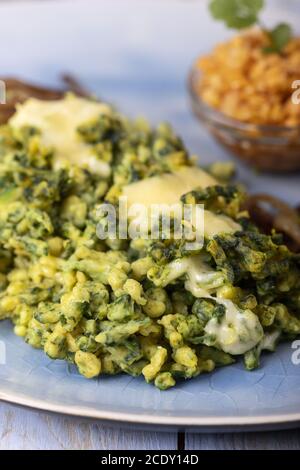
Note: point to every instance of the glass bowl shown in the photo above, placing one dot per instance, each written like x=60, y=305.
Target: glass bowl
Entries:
x=264, y=147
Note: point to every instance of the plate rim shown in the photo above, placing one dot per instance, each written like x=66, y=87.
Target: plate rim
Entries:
x=148, y=419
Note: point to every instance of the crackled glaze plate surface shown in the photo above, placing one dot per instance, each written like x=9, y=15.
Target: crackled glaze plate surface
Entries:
x=136, y=54
x=229, y=397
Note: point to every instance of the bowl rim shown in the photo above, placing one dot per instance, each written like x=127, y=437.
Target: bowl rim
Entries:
x=216, y=116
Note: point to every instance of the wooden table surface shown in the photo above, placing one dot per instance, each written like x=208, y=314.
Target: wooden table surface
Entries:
x=22, y=428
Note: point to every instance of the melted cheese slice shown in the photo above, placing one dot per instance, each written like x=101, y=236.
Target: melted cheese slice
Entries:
x=237, y=331
x=201, y=279
x=167, y=189
x=58, y=122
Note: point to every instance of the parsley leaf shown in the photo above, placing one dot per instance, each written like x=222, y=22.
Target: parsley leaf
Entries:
x=279, y=37
x=239, y=14
x=236, y=14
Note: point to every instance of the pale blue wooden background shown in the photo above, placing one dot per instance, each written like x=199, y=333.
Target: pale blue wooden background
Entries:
x=27, y=429
x=150, y=46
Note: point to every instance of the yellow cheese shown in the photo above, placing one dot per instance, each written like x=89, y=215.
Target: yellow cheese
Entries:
x=58, y=122
x=201, y=279
x=169, y=187
x=215, y=224
x=166, y=190
x=237, y=332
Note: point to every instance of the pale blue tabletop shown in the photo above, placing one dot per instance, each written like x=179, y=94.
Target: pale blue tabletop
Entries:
x=136, y=54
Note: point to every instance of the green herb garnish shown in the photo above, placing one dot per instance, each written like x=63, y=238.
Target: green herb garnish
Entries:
x=239, y=14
